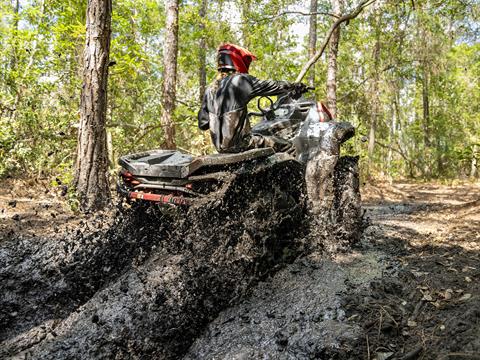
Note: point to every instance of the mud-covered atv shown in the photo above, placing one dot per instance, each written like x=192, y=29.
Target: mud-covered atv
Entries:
x=173, y=178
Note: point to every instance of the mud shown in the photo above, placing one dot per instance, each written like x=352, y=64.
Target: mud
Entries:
x=408, y=291
x=249, y=283
x=144, y=288
x=296, y=315
x=428, y=306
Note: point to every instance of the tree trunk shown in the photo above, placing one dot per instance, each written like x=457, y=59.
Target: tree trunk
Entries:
x=16, y=10
x=170, y=73
x=91, y=181
x=374, y=94
x=391, y=135
x=245, y=11
x=426, y=106
x=474, y=164
x=202, y=51
x=312, y=38
x=332, y=64
x=371, y=138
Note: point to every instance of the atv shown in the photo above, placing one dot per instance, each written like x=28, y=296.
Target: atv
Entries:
x=171, y=178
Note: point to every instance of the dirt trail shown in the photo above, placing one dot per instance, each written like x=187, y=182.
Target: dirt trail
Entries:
x=409, y=291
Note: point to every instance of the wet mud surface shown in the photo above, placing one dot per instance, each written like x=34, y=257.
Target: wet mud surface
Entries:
x=297, y=314
x=144, y=286
x=408, y=290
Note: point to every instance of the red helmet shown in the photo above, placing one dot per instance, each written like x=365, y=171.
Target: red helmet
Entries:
x=234, y=57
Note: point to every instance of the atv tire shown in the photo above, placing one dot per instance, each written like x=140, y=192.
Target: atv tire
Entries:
x=347, y=212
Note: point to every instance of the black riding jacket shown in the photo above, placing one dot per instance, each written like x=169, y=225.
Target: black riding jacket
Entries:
x=224, y=110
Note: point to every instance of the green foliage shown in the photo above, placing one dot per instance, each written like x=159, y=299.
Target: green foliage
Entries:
x=385, y=55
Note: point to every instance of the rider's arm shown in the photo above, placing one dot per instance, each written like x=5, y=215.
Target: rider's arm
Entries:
x=269, y=87
x=203, y=117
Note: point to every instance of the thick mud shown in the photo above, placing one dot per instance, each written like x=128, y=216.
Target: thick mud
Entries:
x=408, y=291
x=249, y=283
x=146, y=286
x=298, y=314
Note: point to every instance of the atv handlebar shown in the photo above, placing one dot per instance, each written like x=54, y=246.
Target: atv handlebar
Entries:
x=268, y=113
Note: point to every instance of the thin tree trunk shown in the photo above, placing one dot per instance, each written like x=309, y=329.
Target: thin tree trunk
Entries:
x=245, y=8
x=371, y=138
x=202, y=51
x=375, y=99
x=170, y=72
x=474, y=163
x=391, y=135
x=332, y=63
x=16, y=10
x=312, y=38
x=337, y=23
x=91, y=178
x=426, y=106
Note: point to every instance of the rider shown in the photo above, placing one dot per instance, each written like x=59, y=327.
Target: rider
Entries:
x=224, y=107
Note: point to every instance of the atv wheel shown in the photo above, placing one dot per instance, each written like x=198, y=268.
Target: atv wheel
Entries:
x=346, y=210
x=262, y=203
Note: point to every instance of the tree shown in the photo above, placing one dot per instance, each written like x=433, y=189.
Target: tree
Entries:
x=170, y=72
x=202, y=50
x=312, y=37
x=91, y=178
x=332, y=63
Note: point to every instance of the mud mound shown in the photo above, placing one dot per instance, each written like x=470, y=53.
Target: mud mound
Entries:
x=44, y=279
x=295, y=315
x=150, y=283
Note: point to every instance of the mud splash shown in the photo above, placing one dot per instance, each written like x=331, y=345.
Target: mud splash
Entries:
x=145, y=288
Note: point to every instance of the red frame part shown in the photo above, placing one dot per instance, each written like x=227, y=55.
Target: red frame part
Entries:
x=164, y=199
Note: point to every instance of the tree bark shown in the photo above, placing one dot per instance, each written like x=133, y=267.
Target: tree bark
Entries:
x=91, y=178
x=202, y=51
x=371, y=138
x=312, y=38
x=374, y=95
x=332, y=63
x=170, y=73
x=16, y=10
x=426, y=106
x=474, y=162
x=245, y=11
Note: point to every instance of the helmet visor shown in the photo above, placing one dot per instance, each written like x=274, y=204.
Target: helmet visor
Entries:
x=225, y=61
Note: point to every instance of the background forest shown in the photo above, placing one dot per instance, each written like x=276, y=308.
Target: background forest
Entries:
x=408, y=78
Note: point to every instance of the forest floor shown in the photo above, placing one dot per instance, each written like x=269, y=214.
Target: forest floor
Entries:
x=409, y=290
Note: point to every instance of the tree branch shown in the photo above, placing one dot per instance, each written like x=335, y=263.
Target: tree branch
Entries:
x=302, y=13
x=336, y=24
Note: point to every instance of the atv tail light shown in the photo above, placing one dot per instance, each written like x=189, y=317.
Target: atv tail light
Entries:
x=324, y=114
